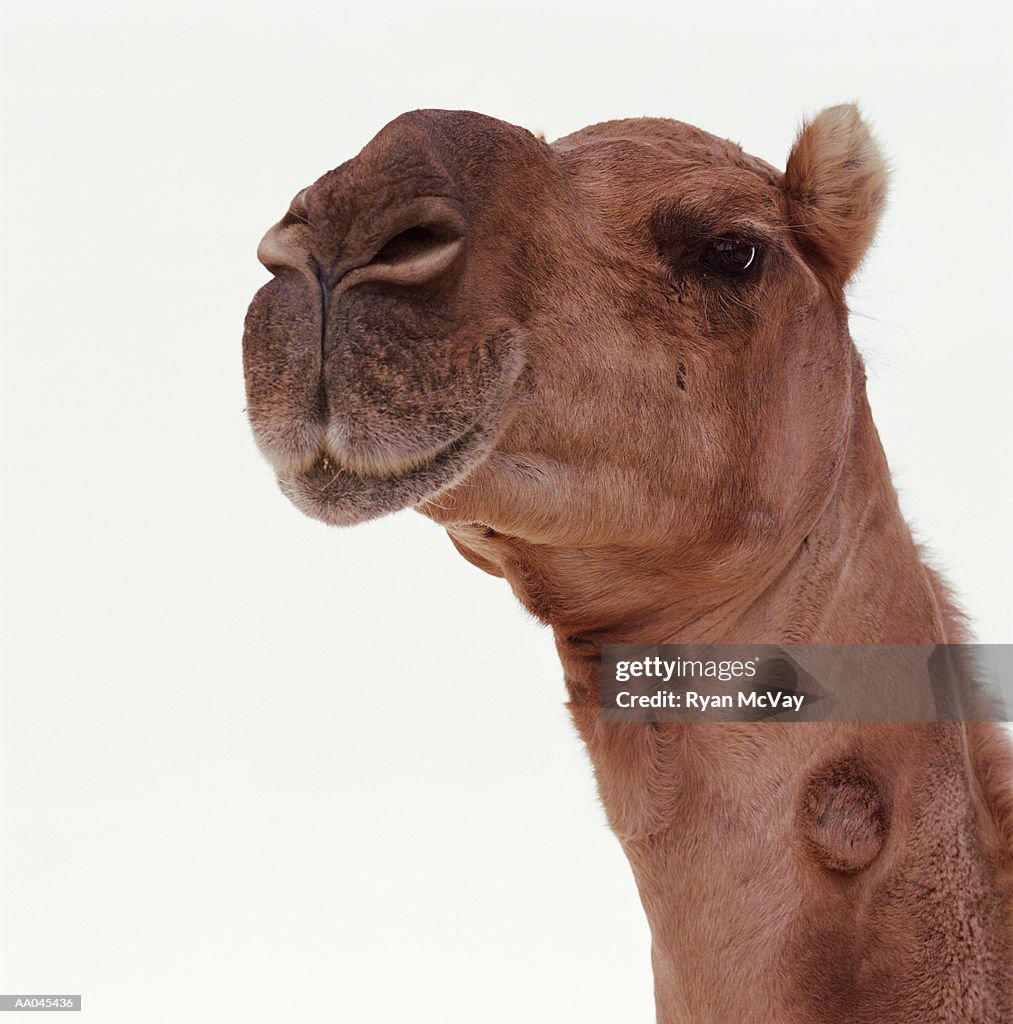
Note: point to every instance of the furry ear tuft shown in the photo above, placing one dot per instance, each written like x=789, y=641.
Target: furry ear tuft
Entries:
x=836, y=182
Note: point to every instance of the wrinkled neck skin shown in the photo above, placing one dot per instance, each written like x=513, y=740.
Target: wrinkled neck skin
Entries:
x=748, y=924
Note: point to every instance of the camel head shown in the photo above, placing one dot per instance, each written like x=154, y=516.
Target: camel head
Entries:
x=633, y=337
x=618, y=370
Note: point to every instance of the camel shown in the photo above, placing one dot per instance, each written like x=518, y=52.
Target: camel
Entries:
x=618, y=370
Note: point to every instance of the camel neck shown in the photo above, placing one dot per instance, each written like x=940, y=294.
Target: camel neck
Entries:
x=697, y=809
x=854, y=577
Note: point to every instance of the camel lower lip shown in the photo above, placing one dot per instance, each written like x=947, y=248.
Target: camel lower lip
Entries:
x=340, y=497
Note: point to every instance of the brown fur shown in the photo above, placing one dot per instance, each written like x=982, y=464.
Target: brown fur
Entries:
x=521, y=341
x=836, y=184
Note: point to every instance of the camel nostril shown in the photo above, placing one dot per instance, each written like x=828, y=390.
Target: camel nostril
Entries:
x=287, y=244
x=422, y=242
x=297, y=210
x=412, y=244
x=414, y=256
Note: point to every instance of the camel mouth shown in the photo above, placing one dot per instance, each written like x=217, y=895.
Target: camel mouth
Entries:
x=335, y=494
x=353, y=487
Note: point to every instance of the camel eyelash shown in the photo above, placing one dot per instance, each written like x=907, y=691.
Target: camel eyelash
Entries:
x=732, y=256
x=687, y=244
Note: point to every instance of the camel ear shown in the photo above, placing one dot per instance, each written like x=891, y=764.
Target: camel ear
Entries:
x=836, y=186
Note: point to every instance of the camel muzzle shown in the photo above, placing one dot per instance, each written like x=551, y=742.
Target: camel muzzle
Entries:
x=369, y=388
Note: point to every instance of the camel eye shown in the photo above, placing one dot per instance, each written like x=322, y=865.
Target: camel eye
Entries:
x=730, y=256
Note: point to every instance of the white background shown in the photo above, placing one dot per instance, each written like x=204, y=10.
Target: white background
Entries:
x=255, y=769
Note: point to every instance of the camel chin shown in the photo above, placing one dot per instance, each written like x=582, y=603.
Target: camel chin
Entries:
x=339, y=495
